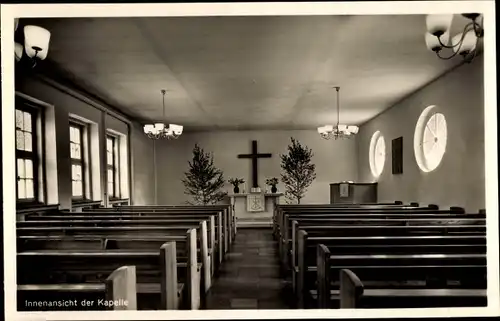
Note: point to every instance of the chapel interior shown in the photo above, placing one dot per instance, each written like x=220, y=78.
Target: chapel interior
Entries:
x=249, y=162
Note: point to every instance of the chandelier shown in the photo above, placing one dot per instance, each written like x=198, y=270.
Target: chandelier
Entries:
x=338, y=131
x=159, y=130
x=36, y=44
x=464, y=44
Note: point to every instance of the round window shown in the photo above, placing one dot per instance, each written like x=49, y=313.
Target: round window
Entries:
x=377, y=154
x=430, y=139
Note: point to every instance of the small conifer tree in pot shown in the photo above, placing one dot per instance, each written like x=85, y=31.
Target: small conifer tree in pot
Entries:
x=298, y=172
x=203, y=181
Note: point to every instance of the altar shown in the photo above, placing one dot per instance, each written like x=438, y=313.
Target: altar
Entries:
x=254, y=209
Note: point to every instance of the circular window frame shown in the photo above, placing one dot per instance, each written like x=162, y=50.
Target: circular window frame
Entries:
x=377, y=169
x=425, y=164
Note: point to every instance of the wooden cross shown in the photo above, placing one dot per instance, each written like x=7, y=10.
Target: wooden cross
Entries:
x=254, y=156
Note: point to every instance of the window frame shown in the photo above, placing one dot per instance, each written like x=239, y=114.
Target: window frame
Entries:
x=377, y=168
x=34, y=155
x=114, y=166
x=74, y=161
x=418, y=139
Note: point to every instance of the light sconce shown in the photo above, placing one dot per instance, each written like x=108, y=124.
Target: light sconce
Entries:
x=36, y=43
x=464, y=44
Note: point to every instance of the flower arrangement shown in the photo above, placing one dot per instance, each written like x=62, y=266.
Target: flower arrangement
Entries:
x=272, y=181
x=236, y=181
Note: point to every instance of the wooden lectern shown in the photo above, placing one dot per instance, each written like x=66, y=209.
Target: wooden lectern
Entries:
x=353, y=193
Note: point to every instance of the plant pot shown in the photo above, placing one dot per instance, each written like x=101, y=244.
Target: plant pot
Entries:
x=274, y=189
x=236, y=189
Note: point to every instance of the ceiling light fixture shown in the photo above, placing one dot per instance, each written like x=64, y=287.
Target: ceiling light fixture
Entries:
x=464, y=44
x=338, y=131
x=160, y=130
x=36, y=43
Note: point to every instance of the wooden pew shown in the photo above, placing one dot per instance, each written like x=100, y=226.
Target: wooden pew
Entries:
x=229, y=217
x=120, y=288
x=153, y=272
x=353, y=295
x=281, y=209
x=288, y=240
x=130, y=231
x=318, y=212
x=215, y=239
x=173, y=210
x=291, y=237
x=69, y=222
x=408, y=267
x=221, y=214
x=381, y=235
x=329, y=210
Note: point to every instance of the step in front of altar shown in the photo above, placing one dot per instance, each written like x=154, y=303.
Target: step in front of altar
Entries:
x=253, y=222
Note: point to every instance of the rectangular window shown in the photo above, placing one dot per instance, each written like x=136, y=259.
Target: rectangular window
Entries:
x=77, y=160
x=26, y=154
x=112, y=162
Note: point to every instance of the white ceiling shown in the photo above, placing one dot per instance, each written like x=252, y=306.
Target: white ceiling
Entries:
x=272, y=72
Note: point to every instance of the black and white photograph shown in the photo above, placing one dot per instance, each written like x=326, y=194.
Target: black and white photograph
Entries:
x=332, y=158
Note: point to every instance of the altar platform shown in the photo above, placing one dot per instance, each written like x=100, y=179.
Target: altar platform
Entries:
x=254, y=209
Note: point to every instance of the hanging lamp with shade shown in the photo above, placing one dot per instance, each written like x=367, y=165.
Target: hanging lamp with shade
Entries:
x=465, y=44
x=339, y=130
x=36, y=43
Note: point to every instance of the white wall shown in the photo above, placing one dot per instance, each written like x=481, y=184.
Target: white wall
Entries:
x=459, y=179
x=335, y=160
x=142, y=167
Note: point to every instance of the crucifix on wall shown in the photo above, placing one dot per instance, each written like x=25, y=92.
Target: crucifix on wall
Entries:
x=255, y=156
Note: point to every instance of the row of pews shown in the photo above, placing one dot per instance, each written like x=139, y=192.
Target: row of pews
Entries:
x=121, y=258
x=382, y=255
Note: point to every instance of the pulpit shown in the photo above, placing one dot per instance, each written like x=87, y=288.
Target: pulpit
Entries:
x=254, y=208
x=353, y=193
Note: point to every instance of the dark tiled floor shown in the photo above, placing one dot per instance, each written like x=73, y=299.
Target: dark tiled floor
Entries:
x=250, y=276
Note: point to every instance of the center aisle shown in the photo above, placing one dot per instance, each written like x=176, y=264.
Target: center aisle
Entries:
x=250, y=276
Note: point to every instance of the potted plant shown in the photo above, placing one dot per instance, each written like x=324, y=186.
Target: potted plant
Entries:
x=298, y=171
x=272, y=182
x=236, y=182
x=203, y=181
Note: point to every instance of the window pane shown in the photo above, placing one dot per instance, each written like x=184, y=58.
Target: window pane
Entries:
x=77, y=135
x=109, y=145
x=76, y=172
x=110, y=158
x=19, y=140
x=19, y=119
x=111, y=193
x=28, y=142
x=29, y=168
x=21, y=188
x=77, y=152
x=77, y=189
x=110, y=176
x=30, y=189
x=72, y=134
x=27, y=122
x=20, y=168
x=73, y=173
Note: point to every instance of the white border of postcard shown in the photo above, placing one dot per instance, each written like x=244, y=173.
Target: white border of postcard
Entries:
x=487, y=8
